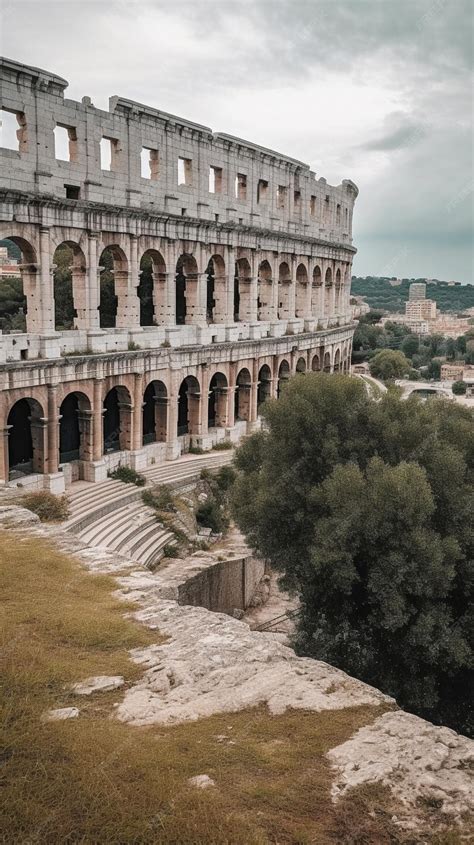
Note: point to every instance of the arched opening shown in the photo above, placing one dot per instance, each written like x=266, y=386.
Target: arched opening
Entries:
x=155, y=413
x=327, y=362
x=338, y=291
x=243, y=387
x=264, y=292
x=284, y=287
x=152, y=288
x=189, y=406
x=337, y=361
x=217, y=402
x=187, y=300
x=264, y=385
x=25, y=438
x=75, y=429
x=242, y=288
x=19, y=305
x=117, y=420
x=283, y=376
x=328, y=293
x=317, y=286
x=113, y=288
x=301, y=366
x=301, y=290
x=70, y=304
x=216, y=307
x=316, y=364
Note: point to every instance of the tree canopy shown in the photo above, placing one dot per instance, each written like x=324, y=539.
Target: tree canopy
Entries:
x=389, y=364
x=366, y=508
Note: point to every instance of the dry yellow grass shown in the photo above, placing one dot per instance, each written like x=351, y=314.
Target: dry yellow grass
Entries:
x=94, y=780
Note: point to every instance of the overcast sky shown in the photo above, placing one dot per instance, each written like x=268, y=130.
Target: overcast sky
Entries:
x=378, y=91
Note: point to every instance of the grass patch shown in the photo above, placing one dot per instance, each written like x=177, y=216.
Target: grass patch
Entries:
x=128, y=476
x=94, y=780
x=47, y=506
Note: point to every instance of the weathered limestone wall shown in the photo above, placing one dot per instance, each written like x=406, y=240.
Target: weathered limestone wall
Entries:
x=223, y=587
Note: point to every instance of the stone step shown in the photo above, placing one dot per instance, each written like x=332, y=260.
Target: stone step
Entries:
x=110, y=525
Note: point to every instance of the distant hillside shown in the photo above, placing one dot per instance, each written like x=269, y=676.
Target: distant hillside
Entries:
x=380, y=294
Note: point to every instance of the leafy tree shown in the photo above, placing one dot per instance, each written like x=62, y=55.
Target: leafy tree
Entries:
x=366, y=508
x=434, y=369
x=389, y=364
x=63, y=295
x=12, y=304
x=410, y=345
x=459, y=388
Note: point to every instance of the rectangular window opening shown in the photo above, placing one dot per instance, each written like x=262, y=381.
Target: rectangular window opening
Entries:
x=109, y=151
x=262, y=190
x=297, y=200
x=215, y=180
x=65, y=143
x=241, y=186
x=338, y=213
x=184, y=171
x=149, y=163
x=312, y=206
x=281, y=196
x=72, y=192
x=12, y=130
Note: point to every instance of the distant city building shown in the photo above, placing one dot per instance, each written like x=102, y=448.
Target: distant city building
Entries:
x=417, y=291
x=420, y=309
x=450, y=326
x=457, y=371
x=395, y=282
x=8, y=266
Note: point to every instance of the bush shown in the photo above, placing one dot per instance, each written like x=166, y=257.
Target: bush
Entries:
x=225, y=477
x=128, y=476
x=170, y=550
x=222, y=445
x=459, y=388
x=47, y=506
x=209, y=515
x=196, y=450
x=389, y=364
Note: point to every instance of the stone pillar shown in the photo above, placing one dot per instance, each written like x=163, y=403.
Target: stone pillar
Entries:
x=98, y=416
x=137, y=413
x=204, y=401
x=292, y=291
x=86, y=422
x=4, y=468
x=46, y=294
x=92, y=316
x=39, y=438
x=161, y=418
x=52, y=456
x=230, y=407
x=254, y=393
x=126, y=286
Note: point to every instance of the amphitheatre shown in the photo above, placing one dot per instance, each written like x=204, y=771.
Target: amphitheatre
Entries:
x=251, y=258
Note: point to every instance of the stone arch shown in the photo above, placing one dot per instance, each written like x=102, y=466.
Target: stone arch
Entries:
x=301, y=366
x=187, y=290
x=264, y=291
x=152, y=288
x=117, y=422
x=327, y=362
x=337, y=360
x=70, y=286
x=301, y=290
x=26, y=438
x=242, y=289
x=284, y=288
x=75, y=428
x=316, y=363
x=216, y=292
x=113, y=303
x=328, y=293
x=217, y=401
x=264, y=388
x=24, y=312
x=283, y=375
x=316, y=291
x=243, y=388
x=189, y=406
x=155, y=413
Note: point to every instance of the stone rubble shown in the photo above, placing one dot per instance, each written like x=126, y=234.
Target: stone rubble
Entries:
x=60, y=714
x=98, y=683
x=201, y=781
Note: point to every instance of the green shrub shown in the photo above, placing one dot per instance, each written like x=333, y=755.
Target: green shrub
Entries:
x=209, y=515
x=132, y=346
x=160, y=498
x=225, y=477
x=459, y=388
x=170, y=550
x=222, y=446
x=128, y=476
x=47, y=506
x=196, y=450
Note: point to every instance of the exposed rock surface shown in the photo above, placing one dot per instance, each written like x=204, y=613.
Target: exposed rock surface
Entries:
x=60, y=714
x=98, y=683
x=414, y=758
x=201, y=781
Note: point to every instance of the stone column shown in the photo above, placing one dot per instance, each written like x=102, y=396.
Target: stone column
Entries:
x=46, y=296
x=86, y=421
x=126, y=285
x=292, y=292
x=230, y=407
x=92, y=317
x=137, y=414
x=98, y=426
x=4, y=468
x=52, y=457
x=204, y=401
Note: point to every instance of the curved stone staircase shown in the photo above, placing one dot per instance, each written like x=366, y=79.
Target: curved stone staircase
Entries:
x=111, y=515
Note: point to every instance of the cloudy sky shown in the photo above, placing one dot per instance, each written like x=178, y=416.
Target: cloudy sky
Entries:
x=378, y=91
